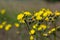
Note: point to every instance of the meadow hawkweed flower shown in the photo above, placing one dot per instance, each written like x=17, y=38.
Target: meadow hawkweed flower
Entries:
x=32, y=31
x=3, y=11
x=35, y=26
x=42, y=27
x=27, y=13
x=17, y=25
x=7, y=27
x=52, y=30
x=45, y=34
x=22, y=21
x=39, y=28
x=45, y=14
x=20, y=16
x=1, y=26
x=49, y=12
x=31, y=37
x=38, y=18
x=47, y=19
x=57, y=13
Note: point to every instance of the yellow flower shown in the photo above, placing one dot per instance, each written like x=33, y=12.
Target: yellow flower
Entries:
x=34, y=26
x=32, y=31
x=47, y=19
x=43, y=26
x=31, y=37
x=52, y=30
x=57, y=13
x=7, y=27
x=22, y=21
x=43, y=9
x=3, y=11
x=4, y=22
x=1, y=26
x=45, y=34
x=17, y=25
x=38, y=13
x=20, y=16
x=45, y=14
x=38, y=18
x=49, y=12
x=39, y=28
x=27, y=13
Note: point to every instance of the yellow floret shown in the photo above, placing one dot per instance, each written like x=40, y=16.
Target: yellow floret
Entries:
x=3, y=11
x=1, y=26
x=27, y=13
x=17, y=25
x=7, y=27
x=38, y=18
x=32, y=31
x=31, y=37
x=20, y=16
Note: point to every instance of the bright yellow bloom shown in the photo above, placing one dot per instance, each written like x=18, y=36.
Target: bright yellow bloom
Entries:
x=27, y=13
x=38, y=18
x=38, y=13
x=39, y=28
x=43, y=9
x=47, y=19
x=49, y=12
x=45, y=14
x=43, y=26
x=22, y=21
x=52, y=30
x=4, y=22
x=7, y=27
x=31, y=37
x=45, y=34
x=3, y=11
x=20, y=16
x=17, y=25
x=35, y=26
x=32, y=31
x=57, y=13
x=1, y=26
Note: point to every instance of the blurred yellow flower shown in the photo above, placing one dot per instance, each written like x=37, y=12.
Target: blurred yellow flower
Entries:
x=4, y=22
x=57, y=13
x=17, y=25
x=22, y=21
x=27, y=13
x=20, y=16
x=45, y=14
x=38, y=13
x=7, y=27
x=47, y=19
x=42, y=27
x=52, y=30
x=1, y=26
x=31, y=37
x=3, y=11
x=32, y=31
x=39, y=28
x=38, y=18
x=35, y=26
x=45, y=34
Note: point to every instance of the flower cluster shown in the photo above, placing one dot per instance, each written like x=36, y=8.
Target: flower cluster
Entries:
x=37, y=22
